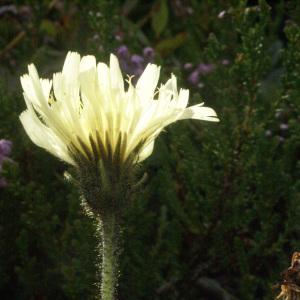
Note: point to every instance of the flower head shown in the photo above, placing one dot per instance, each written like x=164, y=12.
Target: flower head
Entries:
x=86, y=112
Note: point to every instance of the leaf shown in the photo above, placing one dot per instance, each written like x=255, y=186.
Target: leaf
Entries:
x=160, y=17
x=48, y=27
x=167, y=46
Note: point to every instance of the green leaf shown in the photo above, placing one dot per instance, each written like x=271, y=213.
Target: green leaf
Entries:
x=160, y=17
x=167, y=46
x=48, y=27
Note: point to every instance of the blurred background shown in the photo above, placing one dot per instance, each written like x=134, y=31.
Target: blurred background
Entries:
x=219, y=215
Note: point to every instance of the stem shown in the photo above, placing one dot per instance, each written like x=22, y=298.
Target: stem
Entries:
x=110, y=253
x=105, y=190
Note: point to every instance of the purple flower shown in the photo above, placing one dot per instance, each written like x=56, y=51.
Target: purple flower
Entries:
x=225, y=62
x=134, y=64
x=187, y=66
x=284, y=126
x=137, y=65
x=137, y=60
x=194, y=77
x=5, y=147
x=205, y=68
x=148, y=53
x=123, y=52
x=201, y=69
x=5, y=151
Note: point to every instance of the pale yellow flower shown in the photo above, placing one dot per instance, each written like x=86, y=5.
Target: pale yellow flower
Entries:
x=86, y=111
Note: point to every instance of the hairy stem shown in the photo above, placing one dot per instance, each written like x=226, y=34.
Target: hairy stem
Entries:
x=110, y=253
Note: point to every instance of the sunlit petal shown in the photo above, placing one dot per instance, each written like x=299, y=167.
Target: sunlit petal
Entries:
x=84, y=111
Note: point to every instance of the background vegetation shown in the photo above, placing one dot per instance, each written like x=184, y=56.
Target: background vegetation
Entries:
x=219, y=216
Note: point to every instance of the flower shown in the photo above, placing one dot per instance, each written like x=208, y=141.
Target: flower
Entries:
x=134, y=64
x=284, y=126
x=148, y=53
x=5, y=150
x=187, y=66
x=137, y=63
x=5, y=147
x=225, y=62
x=194, y=77
x=221, y=14
x=202, y=69
x=123, y=52
x=85, y=112
x=205, y=68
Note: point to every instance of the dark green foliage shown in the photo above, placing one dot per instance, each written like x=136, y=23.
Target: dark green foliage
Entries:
x=47, y=243
x=222, y=201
